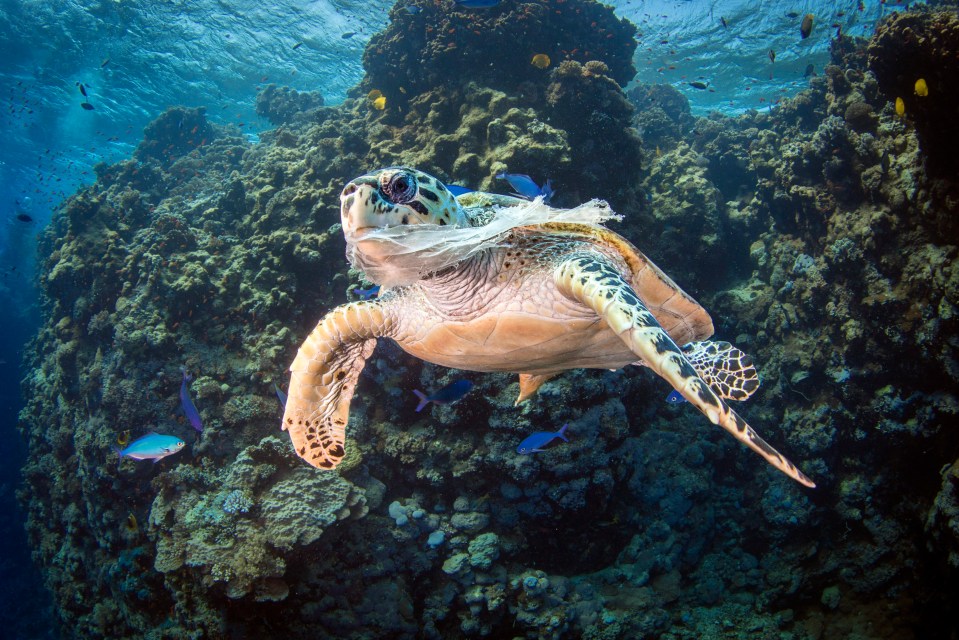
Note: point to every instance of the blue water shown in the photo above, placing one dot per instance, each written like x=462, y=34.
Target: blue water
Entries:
x=734, y=59
x=137, y=58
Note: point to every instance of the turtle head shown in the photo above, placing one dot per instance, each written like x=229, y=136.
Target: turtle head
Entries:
x=397, y=196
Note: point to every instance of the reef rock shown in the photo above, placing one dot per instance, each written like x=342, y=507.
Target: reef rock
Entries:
x=907, y=47
x=493, y=47
x=282, y=104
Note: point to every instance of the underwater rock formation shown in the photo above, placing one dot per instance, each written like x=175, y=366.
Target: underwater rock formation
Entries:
x=662, y=114
x=282, y=104
x=438, y=45
x=924, y=45
x=587, y=103
x=173, y=135
x=813, y=234
x=235, y=526
x=468, y=134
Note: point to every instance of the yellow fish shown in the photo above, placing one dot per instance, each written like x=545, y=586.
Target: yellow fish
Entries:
x=123, y=438
x=922, y=89
x=806, y=27
x=540, y=61
x=900, y=107
x=380, y=103
x=131, y=524
x=374, y=94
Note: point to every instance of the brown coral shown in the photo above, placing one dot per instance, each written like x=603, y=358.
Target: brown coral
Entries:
x=442, y=44
x=282, y=104
x=913, y=46
x=174, y=134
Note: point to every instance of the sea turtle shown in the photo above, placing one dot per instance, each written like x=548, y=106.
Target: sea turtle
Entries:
x=533, y=298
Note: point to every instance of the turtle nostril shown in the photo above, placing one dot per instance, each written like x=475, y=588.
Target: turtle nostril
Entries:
x=349, y=190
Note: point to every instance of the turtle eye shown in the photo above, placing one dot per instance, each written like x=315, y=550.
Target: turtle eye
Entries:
x=400, y=188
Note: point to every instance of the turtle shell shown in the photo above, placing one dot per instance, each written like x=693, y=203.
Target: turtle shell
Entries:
x=684, y=319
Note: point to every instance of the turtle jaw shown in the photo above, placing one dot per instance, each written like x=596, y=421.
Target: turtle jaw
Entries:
x=357, y=206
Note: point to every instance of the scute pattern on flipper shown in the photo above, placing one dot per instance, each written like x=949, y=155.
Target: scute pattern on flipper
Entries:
x=730, y=372
x=323, y=378
x=590, y=279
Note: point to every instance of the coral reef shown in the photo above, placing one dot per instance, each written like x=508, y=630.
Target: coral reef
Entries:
x=923, y=45
x=173, y=135
x=237, y=536
x=663, y=117
x=436, y=45
x=445, y=71
x=813, y=233
x=282, y=104
x=587, y=103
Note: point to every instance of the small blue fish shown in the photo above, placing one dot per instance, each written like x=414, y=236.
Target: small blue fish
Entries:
x=457, y=190
x=675, y=398
x=189, y=409
x=413, y=9
x=280, y=396
x=366, y=294
x=525, y=187
x=447, y=395
x=477, y=4
x=152, y=446
x=537, y=442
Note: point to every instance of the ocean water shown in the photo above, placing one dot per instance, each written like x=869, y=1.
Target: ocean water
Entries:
x=631, y=530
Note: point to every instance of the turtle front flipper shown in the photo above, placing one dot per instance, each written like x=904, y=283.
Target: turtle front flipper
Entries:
x=595, y=282
x=727, y=370
x=323, y=376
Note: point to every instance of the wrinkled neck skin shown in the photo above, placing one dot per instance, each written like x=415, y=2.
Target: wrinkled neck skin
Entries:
x=458, y=290
x=464, y=289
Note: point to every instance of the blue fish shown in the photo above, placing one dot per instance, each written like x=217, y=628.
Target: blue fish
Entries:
x=366, y=294
x=413, y=9
x=525, y=187
x=457, y=190
x=477, y=4
x=447, y=395
x=280, y=396
x=189, y=409
x=537, y=442
x=675, y=398
x=152, y=446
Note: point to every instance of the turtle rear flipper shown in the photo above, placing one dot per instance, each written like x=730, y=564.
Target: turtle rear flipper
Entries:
x=529, y=384
x=323, y=377
x=595, y=282
x=727, y=370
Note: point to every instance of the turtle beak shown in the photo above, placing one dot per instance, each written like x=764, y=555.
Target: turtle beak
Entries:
x=363, y=207
x=357, y=206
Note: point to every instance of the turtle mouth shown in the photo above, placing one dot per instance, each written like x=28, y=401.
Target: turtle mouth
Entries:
x=362, y=232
